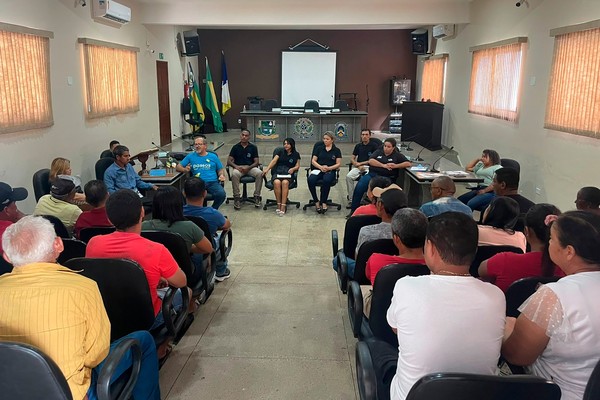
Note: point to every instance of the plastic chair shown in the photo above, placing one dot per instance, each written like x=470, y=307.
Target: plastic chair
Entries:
x=41, y=183
x=487, y=252
x=86, y=234
x=269, y=185
x=73, y=248
x=60, y=228
x=101, y=166
x=520, y=291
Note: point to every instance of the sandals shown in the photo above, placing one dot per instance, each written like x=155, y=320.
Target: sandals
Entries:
x=318, y=207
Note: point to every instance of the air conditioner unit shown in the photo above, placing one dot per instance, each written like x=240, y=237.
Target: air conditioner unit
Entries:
x=112, y=11
x=442, y=31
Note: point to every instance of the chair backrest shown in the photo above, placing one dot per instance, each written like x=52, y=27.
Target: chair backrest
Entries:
x=378, y=141
x=176, y=246
x=341, y=105
x=454, y=386
x=592, y=389
x=486, y=252
x=73, y=248
x=107, y=154
x=125, y=292
x=41, y=183
x=5, y=266
x=352, y=229
x=312, y=105
x=269, y=104
x=384, y=246
x=101, y=166
x=87, y=233
x=178, y=155
x=293, y=183
x=383, y=290
x=520, y=291
x=60, y=228
x=509, y=163
x=27, y=373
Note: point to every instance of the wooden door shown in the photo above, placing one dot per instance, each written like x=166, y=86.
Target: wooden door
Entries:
x=164, y=110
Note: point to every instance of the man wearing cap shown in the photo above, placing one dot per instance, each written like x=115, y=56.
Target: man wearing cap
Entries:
x=9, y=213
x=58, y=202
x=442, y=192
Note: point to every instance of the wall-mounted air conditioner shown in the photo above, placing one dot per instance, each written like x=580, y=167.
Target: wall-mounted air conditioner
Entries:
x=442, y=31
x=111, y=10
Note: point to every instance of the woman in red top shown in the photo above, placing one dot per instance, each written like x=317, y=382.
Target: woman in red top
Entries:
x=505, y=268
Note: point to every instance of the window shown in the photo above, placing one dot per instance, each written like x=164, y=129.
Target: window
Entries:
x=24, y=79
x=574, y=92
x=111, y=81
x=495, y=79
x=434, y=75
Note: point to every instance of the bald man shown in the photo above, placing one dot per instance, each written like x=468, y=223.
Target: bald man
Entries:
x=442, y=193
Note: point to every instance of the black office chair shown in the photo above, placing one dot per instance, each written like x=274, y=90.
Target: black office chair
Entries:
x=87, y=233
x=107, y=154
x=41, y=183
x=342, y=105
x=376, y=362
x=383, y=246
x=177, y=155
x=225, y=239
x=312, y=105
x=519, y=291
x=311, y=202
x=507, y=162
x=487, y=252
x=455, y=386
x=27, y=373
x=244, y=180
x=5, y=266
x=101, y=166
x=73, y=248
x=270, y=104
x=269, y=185
x=186, y=111
x=59, y=228
x=592, y=389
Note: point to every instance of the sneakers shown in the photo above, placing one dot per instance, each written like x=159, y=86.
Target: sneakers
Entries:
x=257, y=202
x=223, y=276
x=237, y=204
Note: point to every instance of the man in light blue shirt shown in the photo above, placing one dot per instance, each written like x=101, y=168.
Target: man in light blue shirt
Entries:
x=120, y=175
x=442, y=192
x=207, y=166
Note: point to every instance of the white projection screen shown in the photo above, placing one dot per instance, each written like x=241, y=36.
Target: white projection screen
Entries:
x=307, y=76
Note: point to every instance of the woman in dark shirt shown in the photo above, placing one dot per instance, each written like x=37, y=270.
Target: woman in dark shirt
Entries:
x=325, y=161
x=285, y=162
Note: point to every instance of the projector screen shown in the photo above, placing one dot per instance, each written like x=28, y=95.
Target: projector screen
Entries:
x=307, y=76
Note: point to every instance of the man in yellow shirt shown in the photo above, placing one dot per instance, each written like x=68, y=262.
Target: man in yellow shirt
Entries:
x=61, y=312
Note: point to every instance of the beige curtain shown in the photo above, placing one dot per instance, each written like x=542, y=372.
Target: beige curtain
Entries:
x=111, y=81
x=25, y=102
x=574, y=92
x=432, y=87
x=495, y=81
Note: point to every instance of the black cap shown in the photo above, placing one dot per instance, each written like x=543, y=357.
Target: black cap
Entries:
x=8, y=194
x=62, y=186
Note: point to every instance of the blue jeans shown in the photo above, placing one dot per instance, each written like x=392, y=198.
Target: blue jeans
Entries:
x=351, y=266
x=177, y=304
x=359, y=191
x=221, y=266
x=477, y=202
x=147, y=384
x=326, y=179
x=218, y=193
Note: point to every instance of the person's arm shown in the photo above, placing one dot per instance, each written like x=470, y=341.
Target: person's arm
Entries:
x=472, y=165
x=109, y=180
x=315, y=164
x=405, y=164
x=169, y=269
x=203, y=246
x=221, y=174
x=226, y=226
x=295, y=168
x=374, y=163
x=97, y=338
x=255, y=163
x=483, y=272
x=231, y=162
x=487, y=189
x=185, y=165
x=355, y=163
x=338, y=163
x=271, y=164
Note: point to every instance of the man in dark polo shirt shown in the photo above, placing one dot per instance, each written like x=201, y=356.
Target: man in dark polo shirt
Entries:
x=360, y=159
x=506, y=183
x=243, y=158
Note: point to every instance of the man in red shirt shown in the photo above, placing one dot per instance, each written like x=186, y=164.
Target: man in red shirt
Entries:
x=9, y=213
x=96, y=195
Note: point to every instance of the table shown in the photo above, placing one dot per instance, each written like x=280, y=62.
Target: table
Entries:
x=302, y=126
x=173, y=179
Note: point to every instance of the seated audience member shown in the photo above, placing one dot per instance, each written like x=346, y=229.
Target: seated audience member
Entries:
x=9, y=213
x=371, y=208
x=484, y=167
x=386, y=161
x=206, y=165
x=167, y=215
x=243, y=158
x=96, y=195
x=408, y=233
x=442, y=195
x=498, y=224
x=447, y=321
x=506, y=183
x=505, y=268
x=558, y=331
x=195, y=191
x=111, y=148
x=588, y=199
x=124, y=209
x=120, y=175
x=59, y=202
x=62, y=166
x=325, y=161
x=61, y=312
x=360, y=159
x=286, y=162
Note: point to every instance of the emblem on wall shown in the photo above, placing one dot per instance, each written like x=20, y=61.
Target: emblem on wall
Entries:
x=266, y=130
x=304, y=128
x=341, y=130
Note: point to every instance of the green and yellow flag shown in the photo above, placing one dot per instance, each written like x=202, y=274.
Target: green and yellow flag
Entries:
x=195, y=102
x=210, y=99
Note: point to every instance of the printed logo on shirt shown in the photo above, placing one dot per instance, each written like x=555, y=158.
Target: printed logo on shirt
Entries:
x=248, y=155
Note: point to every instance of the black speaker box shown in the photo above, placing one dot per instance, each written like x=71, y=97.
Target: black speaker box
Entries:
x=419, y=41
x=191, y=43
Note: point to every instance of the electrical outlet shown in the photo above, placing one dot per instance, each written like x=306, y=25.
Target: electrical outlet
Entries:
x=239, y=120
x=538, y=191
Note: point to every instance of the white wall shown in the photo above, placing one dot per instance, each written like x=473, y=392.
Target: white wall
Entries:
x=72, y=136
x=556, y=162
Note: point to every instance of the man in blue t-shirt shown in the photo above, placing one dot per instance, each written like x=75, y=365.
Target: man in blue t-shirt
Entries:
x=194, y=191
x=207, y=166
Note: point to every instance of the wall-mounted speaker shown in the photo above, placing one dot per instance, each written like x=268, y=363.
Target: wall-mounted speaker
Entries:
x=191, y=43
x=419, y=41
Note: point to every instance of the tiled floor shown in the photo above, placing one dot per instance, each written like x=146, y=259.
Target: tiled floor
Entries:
x=278, y=328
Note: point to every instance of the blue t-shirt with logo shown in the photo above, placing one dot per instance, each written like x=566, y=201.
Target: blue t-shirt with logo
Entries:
x=205, y=167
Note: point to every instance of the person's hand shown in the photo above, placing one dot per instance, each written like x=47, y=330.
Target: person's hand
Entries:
x=222, y=178
x=388, y=167
x=361, y=168
x=291, y=171
x=482, y=191
x=265, y=172
x=162, y=283
x=239, y=169
x=188, y=168
x=154, y=187
x=324, y=168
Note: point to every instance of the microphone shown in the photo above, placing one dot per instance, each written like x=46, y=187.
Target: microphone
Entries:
x=159, y=163
x=419, y=155
x=191, y=148
x=412, y=139
x=436, y=161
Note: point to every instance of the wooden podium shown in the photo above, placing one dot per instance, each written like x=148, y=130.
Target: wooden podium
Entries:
x=422, y=122
x=142, y=157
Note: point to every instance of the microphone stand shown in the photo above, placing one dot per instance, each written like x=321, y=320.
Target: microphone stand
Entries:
x=156, y=158
x=412, y=139
x=419, y=155
x=367, y=108
x=436, y=161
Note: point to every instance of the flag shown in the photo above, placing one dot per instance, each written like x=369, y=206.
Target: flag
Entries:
x=211, y=100
x=195, y=102
x=225, y=96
